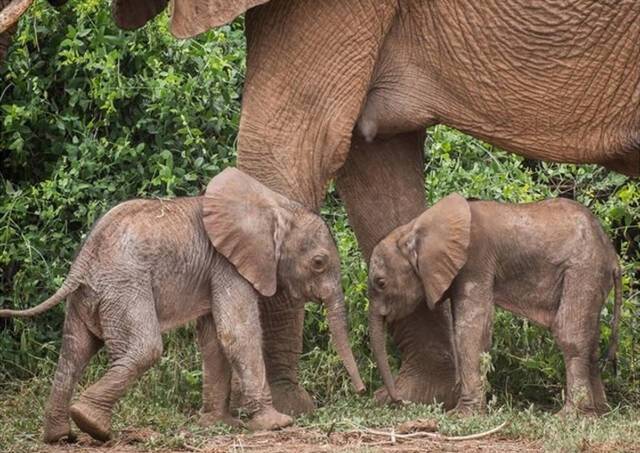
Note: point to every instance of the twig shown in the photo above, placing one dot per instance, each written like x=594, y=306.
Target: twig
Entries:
x=331, y=428
x=435, y=436
x=263, y=434
x=378, y=444
x=250, y=447
x=239, y=443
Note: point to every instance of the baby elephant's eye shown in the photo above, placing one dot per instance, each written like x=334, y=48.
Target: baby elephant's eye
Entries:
x=319, y=262
x=380, y=282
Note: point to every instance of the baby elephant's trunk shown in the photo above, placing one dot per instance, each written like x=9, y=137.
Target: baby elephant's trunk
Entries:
x=378, y=347
x=337, y=319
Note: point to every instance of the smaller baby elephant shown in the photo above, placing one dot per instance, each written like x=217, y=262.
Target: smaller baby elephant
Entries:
x=549, y=261
x=149, y=266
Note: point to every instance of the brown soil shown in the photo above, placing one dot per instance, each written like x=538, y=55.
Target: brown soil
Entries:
x=301, y=440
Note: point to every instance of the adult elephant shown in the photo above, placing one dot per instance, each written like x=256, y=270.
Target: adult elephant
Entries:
x=346, y=88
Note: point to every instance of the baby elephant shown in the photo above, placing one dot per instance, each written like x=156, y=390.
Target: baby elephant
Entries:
x=548, y=261
x=151, y=265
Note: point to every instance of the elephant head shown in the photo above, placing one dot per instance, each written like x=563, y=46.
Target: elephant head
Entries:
x=415, y=262
x=276, y=243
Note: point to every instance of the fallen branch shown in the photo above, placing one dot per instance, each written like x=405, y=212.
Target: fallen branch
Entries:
x=393, y=435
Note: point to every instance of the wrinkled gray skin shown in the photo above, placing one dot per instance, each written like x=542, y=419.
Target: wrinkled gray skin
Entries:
x=149, y=266
x=550, y=262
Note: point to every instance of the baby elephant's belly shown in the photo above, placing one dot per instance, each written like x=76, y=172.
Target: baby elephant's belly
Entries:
x=536, y=299
x=177, y=308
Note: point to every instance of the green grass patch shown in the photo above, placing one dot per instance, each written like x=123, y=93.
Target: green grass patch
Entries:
x=174, y=426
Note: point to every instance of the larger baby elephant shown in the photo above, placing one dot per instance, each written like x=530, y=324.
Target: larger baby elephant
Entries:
x=549, y=261
x=151, y=265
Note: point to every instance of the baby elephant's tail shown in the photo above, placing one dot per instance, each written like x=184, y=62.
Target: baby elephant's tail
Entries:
x=66, y=289
x=615, y=322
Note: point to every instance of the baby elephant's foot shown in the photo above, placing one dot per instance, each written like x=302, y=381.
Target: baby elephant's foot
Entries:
x=56, y=431
x=208, y=419
x=269, y=419
x=92, y=420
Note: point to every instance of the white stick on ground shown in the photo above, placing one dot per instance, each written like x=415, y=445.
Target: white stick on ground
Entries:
x=434, y=436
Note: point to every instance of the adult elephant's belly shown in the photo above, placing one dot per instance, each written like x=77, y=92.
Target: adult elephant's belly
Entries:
x=551, y=81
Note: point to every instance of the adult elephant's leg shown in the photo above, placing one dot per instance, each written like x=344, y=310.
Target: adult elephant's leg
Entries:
x=382, y=185
x=306, y=81
x=5, y=42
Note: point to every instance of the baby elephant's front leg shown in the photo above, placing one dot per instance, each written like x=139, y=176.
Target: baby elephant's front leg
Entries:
x=237, y=320
x=473, y=315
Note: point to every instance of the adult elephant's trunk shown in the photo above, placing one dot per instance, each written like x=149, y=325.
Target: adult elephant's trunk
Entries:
x=378, y=346
x=337, y=318
x=10, y=14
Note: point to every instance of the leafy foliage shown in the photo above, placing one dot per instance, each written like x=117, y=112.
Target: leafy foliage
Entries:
x=92, y=116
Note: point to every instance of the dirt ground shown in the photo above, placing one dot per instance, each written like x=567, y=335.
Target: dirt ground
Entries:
x=300, y=440
x=304, y=440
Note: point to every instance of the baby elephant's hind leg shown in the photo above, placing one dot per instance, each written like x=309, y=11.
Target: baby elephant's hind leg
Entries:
x=576, y=331
x=78, y=346
x=134, y=343
x=597, y=387
x=216, y=376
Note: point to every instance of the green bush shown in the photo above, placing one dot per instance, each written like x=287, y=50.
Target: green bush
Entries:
x=92, y=116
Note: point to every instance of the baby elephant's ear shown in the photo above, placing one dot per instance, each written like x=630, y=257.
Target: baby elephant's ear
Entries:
x=437, y=244
x=245, y=223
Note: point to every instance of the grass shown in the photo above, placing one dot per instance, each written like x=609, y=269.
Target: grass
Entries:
x=171, y=414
